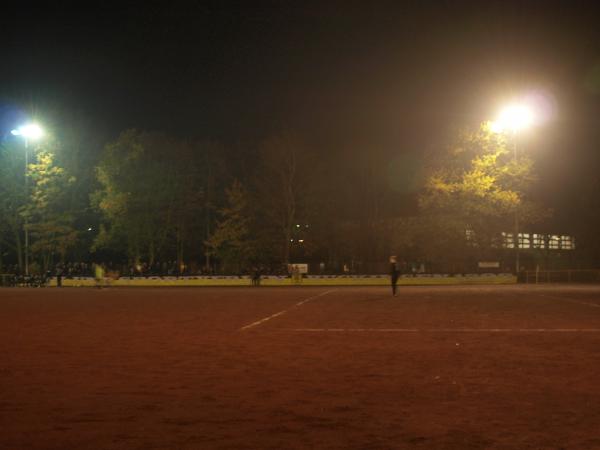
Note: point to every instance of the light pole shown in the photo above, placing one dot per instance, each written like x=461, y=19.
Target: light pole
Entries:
x=513, y=119
x=28, y=132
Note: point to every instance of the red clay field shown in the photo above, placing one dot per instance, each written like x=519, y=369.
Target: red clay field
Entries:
x=502, y=367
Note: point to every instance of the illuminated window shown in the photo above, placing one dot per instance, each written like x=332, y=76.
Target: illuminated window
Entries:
x=524, y=240
x=567, y=243
x=539, y=241
x=508, y=240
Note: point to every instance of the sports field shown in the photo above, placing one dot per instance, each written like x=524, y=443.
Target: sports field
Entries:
x=454, y=367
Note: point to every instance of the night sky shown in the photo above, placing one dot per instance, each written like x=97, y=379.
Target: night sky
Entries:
x=395, y=74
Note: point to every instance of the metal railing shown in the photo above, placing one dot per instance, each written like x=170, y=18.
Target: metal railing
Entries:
x=563, y=276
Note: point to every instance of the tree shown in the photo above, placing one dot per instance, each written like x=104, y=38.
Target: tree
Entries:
x=50, y=220
x=231, y=241
x=472, y=195
x=12, y=200
x=282, y=185
x=136, y=178
x=81, y=143
x=43, y=204
x=153, y=191
x=211, y=176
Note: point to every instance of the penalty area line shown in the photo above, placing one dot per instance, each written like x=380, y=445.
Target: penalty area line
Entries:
x=280, y=313
x=447, y=330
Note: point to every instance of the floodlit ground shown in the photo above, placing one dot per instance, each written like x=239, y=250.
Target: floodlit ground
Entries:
x=503, y=367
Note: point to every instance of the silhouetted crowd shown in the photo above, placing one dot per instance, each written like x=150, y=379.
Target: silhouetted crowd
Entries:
x=13, y=276
x=160, y=269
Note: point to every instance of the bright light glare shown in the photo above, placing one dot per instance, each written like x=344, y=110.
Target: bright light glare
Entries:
x=496, y=127
x=31, y=131
x=513, y=118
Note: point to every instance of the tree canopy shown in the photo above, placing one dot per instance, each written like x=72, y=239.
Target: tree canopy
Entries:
x=155, y=198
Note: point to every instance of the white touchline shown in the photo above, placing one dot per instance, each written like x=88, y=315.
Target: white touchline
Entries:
x=450, y=330
x=300, y=303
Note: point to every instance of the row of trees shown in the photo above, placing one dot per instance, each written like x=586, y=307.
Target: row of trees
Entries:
x=151, y=197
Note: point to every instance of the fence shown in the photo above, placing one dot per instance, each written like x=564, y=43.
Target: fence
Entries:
x=10, y=280
x=563, y=276
x=6, y=279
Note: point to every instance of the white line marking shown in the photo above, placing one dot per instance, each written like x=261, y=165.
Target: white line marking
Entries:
x=449, y=330
x=258, y=322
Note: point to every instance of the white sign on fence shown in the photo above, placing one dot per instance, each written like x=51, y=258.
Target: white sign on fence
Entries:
x=489, y=264
x=300, y=268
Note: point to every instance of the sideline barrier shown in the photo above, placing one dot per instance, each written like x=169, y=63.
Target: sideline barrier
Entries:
x=310, y=280
x=563, y=276
x=7, y=279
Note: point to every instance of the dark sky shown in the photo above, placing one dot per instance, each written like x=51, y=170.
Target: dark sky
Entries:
x=393, y=73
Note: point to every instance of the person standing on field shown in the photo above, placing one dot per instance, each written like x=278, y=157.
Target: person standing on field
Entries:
x=99, y=275
x=59, y=275
x=256, y=277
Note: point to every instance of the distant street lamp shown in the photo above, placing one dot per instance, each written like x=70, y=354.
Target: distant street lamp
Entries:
x=28, y=132
x=513, y=119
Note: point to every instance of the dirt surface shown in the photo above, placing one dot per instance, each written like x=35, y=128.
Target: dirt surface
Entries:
x=503, y=367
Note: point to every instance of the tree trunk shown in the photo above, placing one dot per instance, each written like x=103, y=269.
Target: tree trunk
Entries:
x=19, y=250
x=206, y=250
x=207, y=205
x=179, y=248
x=286, y=247
x=151, y=253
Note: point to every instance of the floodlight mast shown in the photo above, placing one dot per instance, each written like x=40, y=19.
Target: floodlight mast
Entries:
x=28, y=132
x=513, y=119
